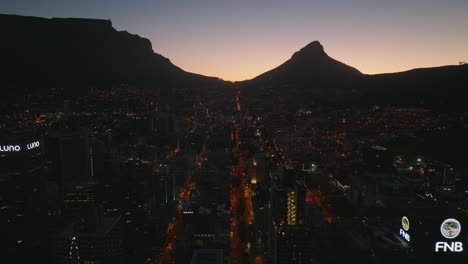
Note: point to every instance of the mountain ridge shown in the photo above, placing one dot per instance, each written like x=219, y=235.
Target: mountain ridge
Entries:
x=77, y=52
x=49, y=52
x=310, y=64
x=311, y=75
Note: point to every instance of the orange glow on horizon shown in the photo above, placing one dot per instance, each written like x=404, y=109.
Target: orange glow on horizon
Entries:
x=238, y=65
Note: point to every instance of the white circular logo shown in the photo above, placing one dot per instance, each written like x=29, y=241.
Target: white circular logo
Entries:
x=450, y=228
x=405, y=223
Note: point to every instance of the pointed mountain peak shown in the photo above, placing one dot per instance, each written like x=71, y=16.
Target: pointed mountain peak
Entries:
x=309, y=65
x=313, y=48
x=314, y=45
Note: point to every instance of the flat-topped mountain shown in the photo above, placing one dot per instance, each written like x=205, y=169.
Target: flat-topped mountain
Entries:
x=74, y=53
x=79, y=52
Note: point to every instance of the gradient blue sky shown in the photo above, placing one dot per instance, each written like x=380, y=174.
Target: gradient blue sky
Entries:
x=239, y=39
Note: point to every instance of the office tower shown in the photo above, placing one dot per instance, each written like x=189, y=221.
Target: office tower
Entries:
x=256, y=169
x=69, y=152
x=23, y=200
x=289, y=234
x=92, y=238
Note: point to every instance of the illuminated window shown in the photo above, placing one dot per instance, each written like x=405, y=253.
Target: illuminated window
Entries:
x=292, y=208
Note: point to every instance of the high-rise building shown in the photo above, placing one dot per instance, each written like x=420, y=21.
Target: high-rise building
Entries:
x=207, y=256
x=69, y=152
x=256, y=169
x=92, y=239
x=166, y=184
x=378, y=159
x=289, y=234
x=79, y=198
x=23, y=200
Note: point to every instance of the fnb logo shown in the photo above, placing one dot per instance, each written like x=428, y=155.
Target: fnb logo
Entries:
x=449, y=229
x=405, y=235
x=406, y=225
x=453, y=246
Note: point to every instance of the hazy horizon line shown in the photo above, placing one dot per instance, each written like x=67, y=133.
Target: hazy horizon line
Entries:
x=230, y=79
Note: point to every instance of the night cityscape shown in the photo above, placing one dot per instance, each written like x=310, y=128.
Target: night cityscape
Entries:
x=112, y=154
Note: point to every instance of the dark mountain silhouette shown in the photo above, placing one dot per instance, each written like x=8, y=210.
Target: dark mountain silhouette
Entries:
x=311, y=75
x=309, y=65
x=75, y=52
x=441, y=88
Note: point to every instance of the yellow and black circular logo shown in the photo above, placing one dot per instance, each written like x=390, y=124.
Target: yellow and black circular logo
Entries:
x=405, y=223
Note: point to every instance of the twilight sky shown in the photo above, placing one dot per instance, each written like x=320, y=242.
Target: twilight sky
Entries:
x=240, y=39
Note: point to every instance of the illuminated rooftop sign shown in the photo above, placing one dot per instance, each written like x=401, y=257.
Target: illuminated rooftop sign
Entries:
x=405, y=224
x=18, y=148
x=10, y=148
x=450, y=229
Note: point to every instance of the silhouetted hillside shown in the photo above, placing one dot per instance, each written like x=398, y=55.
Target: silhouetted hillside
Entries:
x=78, y=52
x=311, y=76
x=439, y=87
x=310, y=65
